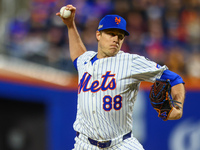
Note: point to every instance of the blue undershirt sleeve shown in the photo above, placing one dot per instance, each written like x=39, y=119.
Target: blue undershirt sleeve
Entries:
x=173, y=77
x=75, y=63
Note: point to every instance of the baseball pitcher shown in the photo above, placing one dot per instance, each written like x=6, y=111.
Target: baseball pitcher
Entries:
x=109, y=81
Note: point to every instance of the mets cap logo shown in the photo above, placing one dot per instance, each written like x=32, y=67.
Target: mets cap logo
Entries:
x=117, y=20
x=100, y=26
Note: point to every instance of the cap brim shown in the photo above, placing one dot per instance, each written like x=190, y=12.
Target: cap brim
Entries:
x=126, y=32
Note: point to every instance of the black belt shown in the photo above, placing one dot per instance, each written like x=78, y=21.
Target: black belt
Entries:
x=104, y=144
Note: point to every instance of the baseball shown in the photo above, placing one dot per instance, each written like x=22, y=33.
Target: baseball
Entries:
x=64, y=12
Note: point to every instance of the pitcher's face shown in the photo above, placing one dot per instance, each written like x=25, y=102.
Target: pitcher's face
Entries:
x=109, y=42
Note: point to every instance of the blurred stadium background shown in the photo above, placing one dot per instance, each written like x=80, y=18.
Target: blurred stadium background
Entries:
x=38, y=81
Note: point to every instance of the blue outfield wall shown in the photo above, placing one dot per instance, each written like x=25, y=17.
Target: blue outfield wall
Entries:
x=60, y=107
x=151, y=131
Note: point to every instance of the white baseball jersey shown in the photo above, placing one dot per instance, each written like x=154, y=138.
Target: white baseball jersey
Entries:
x=107, y=91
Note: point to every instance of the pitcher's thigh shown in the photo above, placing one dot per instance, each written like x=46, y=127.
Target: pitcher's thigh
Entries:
x=129, y=144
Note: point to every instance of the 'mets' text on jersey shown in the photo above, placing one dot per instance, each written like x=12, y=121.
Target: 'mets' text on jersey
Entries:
x=107, y=91
x=96, y=85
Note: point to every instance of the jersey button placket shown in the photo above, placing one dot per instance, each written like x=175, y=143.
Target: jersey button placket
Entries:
x=93, y=98
x=94, y=95
x=94, y=65
x=94, y=111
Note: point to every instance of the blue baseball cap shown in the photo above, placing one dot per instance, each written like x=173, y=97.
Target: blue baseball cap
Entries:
x=113, y=22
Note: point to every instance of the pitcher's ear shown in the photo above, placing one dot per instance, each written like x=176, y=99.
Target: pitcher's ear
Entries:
x=98, y=34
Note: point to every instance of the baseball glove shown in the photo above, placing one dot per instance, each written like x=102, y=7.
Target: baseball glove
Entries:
x=160, y=97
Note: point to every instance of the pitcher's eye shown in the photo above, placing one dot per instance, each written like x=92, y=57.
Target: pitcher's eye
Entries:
x=112, y=34
x=121, y=37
